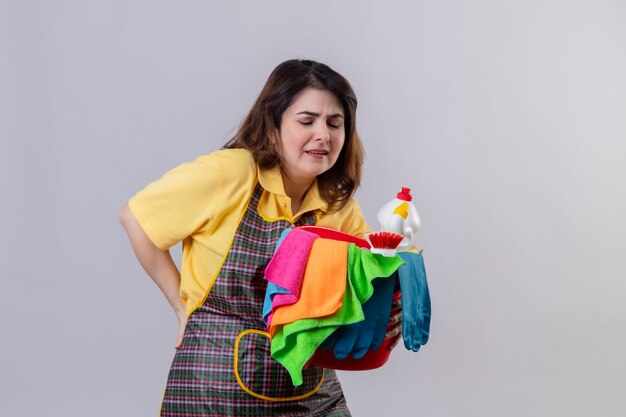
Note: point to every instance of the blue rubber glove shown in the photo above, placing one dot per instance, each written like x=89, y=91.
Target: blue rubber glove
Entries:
x=415, y=301
x=368, y=334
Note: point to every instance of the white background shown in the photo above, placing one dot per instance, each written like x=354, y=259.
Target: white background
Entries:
x=507, y=118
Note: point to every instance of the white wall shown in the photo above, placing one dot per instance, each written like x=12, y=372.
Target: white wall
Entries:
x=506, y=118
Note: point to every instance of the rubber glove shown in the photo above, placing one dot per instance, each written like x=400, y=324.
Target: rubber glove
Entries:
x=415, y=300
x=368, y=334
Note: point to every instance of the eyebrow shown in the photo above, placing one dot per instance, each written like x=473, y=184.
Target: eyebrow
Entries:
x=310, y=113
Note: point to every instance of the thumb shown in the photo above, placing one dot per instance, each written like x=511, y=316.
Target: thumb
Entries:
x=181, y=332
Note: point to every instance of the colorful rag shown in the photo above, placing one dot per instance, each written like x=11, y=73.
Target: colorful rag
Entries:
x=285, y=270
x=293, y=344
x=323, y=284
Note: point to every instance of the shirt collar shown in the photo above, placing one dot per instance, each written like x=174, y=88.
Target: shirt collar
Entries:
x=272, y=181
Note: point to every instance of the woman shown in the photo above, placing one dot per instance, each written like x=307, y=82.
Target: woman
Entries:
x=295, y=160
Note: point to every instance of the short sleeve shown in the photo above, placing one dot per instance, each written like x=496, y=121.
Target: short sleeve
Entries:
x=354, y=222
x=180, y=203
x=349, y=219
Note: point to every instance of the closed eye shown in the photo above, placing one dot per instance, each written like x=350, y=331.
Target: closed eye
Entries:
x=335, y=122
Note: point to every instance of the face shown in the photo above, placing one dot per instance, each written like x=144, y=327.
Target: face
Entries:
x=311, y=135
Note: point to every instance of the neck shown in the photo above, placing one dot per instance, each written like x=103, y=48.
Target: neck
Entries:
x=295, y=190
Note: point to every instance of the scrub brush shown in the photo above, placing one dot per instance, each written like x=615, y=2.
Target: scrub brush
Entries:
x=384, y=243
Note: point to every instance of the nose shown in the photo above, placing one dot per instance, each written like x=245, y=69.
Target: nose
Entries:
x=322, y=133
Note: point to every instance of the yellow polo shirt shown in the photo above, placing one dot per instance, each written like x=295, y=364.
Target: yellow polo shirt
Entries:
x=202, y=202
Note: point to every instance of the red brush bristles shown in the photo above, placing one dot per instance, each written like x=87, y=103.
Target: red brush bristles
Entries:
x=385, y=240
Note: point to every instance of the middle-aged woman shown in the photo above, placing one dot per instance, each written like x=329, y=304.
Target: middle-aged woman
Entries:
x=295, y=160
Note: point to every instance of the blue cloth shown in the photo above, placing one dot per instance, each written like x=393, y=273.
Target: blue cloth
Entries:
x=272, y=290
x=415, y=301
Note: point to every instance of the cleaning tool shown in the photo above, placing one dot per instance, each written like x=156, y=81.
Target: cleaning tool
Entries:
x=325, y=358
x=400, y=216
x=415, y=300
x=293, y=344
x=369, y=334
x=384, y=243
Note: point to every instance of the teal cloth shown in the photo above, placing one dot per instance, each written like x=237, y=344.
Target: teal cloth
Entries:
x=295, y=343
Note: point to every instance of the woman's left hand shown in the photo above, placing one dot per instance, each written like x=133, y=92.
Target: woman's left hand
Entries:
x=394, y=328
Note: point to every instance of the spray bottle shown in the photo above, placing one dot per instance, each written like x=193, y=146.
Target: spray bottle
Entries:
x=400, y=216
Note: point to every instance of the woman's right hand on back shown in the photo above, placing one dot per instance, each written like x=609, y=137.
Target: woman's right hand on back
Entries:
x=182, y=324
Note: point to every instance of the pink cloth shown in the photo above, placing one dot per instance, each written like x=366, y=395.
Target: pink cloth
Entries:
x=286, y=269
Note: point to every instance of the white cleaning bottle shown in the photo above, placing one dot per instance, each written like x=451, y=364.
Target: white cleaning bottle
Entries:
x=400, y=216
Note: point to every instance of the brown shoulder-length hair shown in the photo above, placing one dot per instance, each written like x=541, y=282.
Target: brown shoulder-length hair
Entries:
x=288, y=79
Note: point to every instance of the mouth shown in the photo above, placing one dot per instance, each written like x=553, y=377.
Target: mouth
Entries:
x=317, y=152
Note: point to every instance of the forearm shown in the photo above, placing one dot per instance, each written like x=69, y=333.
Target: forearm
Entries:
x=160, y=266
x=157, y=263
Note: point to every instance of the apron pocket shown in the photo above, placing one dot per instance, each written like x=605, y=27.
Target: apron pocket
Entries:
x=261, y=376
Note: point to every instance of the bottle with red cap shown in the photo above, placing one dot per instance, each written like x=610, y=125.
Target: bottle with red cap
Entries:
x=400, y=216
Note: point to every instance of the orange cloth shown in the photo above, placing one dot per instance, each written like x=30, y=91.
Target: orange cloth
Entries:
x=323, y=284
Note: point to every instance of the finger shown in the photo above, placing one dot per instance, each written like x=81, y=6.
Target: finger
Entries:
x=394, y=330
x=332, y=339
x=345, y=343
x=181, y=333
x=179, y=340
x=394, y=342
x=364, y=339
x=396, y=317
x=379, y=333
